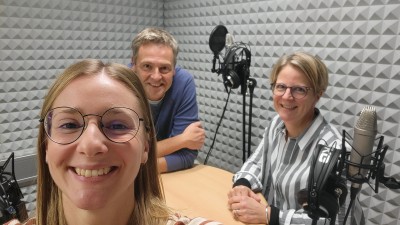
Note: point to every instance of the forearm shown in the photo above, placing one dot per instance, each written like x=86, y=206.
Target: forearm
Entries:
x=162, y=165
x=170, y=145
x=182, y=159
x=252, y=169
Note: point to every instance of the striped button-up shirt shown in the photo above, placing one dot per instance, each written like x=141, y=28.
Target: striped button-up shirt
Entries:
x=280, y=167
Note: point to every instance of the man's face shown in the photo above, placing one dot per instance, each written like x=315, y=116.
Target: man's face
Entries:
x=155, y=67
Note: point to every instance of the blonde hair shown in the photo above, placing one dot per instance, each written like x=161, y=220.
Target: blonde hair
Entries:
x=156, y=36
x=312, y=67
x=150, y=205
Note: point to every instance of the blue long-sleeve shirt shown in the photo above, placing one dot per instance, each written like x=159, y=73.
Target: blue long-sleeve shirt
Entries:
x=177, y=110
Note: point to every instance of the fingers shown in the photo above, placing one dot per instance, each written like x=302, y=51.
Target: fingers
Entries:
x=236, y=213
x=244, y=191
x=255, y=196
x=240, y=191
x=195, y=129
x=194, y=136
x=234, y=199
x=248, y=210
x=198, y=124
x=235, y=209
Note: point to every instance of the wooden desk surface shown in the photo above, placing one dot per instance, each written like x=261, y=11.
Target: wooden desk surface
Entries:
x=201, y=191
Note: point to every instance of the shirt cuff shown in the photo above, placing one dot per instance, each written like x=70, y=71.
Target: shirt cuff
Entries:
x=274, y=219
x=242, y=181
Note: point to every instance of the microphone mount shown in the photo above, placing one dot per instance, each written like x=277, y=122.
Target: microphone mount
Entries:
x=375, y=170
x=364, y=174
x=235, y=70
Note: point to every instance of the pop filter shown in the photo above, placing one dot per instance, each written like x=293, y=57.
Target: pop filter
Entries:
x=217, y=39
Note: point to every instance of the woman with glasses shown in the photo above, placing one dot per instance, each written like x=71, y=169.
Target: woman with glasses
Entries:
x=279, y=167
x=96, y=151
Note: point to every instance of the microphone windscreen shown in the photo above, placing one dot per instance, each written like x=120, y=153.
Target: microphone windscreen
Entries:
x=367, y=122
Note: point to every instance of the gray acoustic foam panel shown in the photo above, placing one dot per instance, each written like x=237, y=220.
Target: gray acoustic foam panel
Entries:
x=38, y=39
x=358, y=40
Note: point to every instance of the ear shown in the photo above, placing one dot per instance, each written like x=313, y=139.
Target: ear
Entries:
x=146, y=150
x=173, y=71
x=132, y=64
x=45, y=158
x=318, y=96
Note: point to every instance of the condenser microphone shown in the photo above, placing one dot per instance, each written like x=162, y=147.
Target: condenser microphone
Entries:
x=363, y=143
x=229, y=40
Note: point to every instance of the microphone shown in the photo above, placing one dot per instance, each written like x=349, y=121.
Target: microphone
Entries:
x=229, y=41
x=365, y=131
x=235, y=67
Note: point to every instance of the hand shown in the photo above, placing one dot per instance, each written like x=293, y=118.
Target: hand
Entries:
x=194, y=136
x=247, y=209
x=243, y=191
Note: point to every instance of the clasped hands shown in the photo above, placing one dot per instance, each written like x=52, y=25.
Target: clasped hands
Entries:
x=246, y=206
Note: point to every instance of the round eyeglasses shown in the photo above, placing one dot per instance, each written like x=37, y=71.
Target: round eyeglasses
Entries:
x=297, y=92
x=64, y=125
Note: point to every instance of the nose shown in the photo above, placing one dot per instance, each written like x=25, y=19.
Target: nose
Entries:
x=156, y=75
x=92, y=141
x=288, y=93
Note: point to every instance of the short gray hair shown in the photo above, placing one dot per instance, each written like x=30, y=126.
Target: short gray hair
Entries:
x=154, y=35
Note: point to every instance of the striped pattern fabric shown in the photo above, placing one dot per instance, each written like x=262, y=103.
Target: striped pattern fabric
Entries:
x=279, y=168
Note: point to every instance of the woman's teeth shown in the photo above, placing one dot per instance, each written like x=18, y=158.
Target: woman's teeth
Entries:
x=92, y=173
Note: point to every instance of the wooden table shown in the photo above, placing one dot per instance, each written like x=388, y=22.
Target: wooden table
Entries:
x=201, y=191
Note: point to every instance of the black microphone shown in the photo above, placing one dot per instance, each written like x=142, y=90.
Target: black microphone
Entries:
x=365, y=131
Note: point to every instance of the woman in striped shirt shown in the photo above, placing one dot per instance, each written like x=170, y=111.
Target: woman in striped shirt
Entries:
x=279, y=167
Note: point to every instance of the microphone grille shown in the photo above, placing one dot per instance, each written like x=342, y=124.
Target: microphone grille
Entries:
x=368, y=119
x=229, y=40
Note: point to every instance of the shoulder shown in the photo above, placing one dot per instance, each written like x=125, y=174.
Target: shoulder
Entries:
x=183, y=84
x=178, y=219
x=329, y=128
x=328, y=131
x=276, y=125
x=182, y=75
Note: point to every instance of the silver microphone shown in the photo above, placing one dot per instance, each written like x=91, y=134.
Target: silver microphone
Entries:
x=365, y=132
x=229, y=41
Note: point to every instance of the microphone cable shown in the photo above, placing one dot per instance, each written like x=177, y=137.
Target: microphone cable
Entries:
x=219, y=123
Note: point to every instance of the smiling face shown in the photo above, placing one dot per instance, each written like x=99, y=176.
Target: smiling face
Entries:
x=94, y=172
x=155, y=67
x=296, y=113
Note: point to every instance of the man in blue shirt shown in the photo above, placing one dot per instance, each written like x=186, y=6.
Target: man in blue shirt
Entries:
x=171, y=92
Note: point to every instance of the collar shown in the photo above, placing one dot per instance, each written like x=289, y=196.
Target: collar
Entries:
x=305, y=137
x=155, y=103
